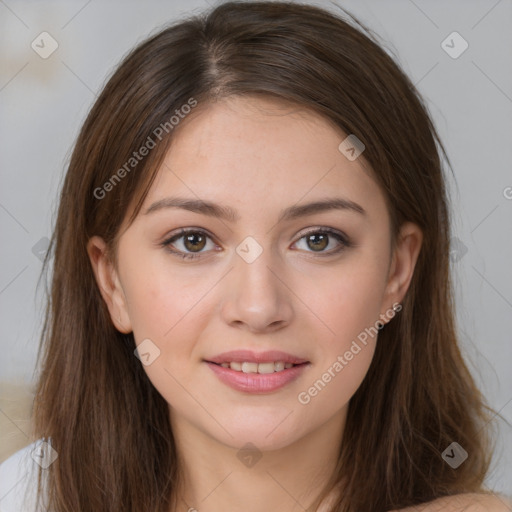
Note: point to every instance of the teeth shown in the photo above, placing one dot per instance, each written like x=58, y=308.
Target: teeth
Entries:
x=264, y=368
x=250, y=367
x=247, y=367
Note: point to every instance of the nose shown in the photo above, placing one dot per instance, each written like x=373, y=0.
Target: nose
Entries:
x=256, y=297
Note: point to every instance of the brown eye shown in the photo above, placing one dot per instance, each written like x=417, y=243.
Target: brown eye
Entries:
x=190, y=243
x=318, y=242
x=194, y=241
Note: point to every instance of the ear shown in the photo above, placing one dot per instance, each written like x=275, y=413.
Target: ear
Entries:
x=402, y=265
x=109, y=284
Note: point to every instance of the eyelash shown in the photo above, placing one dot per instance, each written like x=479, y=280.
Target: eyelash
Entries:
x=344, y=241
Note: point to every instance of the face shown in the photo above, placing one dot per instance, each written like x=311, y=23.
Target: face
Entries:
x=259, y=274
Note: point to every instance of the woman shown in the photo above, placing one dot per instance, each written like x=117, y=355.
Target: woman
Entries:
x=251, y=304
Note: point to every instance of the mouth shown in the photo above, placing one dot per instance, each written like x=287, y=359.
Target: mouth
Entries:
x=261, y=368
x=262, y=372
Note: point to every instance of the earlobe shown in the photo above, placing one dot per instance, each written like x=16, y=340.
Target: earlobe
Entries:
x=108, y=283
x=405, y=256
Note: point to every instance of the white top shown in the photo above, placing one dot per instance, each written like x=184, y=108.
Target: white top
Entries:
x=18, y=478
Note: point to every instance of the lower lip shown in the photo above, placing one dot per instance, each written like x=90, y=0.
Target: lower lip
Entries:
x=257, y=382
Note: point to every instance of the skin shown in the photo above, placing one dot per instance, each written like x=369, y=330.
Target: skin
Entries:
x=257, y=157
x=464, y=503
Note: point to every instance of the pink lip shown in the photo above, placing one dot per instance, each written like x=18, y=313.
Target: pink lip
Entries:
x=256, y=382
x=242, y=356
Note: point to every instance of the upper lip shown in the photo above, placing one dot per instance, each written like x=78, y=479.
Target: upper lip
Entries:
x=248, y=356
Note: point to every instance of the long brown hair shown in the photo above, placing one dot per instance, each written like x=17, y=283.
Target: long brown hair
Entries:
x=94, y=401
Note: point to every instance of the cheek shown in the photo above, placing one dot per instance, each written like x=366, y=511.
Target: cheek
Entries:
x=159, y=296
x=350, y=305
x=169, y=307
x=167, y=310
x=350, y=298
x=343, y=358
x=332, y=387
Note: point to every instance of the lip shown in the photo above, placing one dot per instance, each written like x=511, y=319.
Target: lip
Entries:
x=257, y=383
x=242, y=356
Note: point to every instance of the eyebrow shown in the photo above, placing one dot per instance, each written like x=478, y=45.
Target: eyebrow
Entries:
x=226, y=213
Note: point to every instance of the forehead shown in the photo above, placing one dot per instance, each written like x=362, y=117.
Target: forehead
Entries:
x=261, y=154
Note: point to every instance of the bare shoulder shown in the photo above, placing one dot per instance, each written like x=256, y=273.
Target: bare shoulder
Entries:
x=464, y=503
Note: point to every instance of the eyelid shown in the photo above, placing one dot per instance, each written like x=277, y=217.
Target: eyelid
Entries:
x=340, y=236
x=166, y=243
x=324, y=229
x=344, y=242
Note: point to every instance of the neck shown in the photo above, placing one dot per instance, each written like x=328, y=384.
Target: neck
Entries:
x=217, y=477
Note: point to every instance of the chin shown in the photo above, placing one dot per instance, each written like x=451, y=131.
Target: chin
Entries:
x=265, y=431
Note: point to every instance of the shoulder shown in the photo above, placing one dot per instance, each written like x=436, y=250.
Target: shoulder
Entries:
x=464, y=503
x=18, y=480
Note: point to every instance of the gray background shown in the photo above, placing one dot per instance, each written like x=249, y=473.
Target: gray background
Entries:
x=44, y=102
